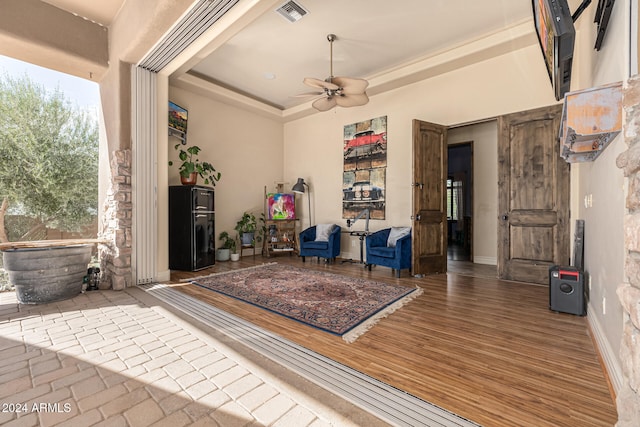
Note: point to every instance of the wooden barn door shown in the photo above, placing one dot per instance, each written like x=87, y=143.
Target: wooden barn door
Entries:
x=533, y=196
x=429, y=234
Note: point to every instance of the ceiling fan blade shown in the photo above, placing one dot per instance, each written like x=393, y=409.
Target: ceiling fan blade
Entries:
x=306, y=94
x=350, y=85
x=352, y=100
x=313, y=82
x=324, y=104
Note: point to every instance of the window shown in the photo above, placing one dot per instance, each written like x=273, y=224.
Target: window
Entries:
x=455, y=196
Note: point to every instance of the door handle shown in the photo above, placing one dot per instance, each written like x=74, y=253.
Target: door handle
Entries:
x=418, y=184
x=504, y=217
x=418, y=217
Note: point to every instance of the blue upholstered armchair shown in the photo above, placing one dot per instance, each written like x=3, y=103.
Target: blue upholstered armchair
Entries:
x=394, y=253
x=321, y=240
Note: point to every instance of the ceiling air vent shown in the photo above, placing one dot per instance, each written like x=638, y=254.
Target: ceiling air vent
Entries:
x=291, y=11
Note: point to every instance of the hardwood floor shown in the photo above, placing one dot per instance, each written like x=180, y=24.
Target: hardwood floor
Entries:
x=488, y=350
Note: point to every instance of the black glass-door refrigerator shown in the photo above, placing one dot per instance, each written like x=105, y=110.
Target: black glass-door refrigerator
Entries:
x=191, y=227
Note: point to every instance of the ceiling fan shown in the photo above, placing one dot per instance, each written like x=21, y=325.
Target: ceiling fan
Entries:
x=342, y=91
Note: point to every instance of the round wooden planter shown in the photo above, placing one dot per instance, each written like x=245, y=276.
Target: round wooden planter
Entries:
x=49, y=274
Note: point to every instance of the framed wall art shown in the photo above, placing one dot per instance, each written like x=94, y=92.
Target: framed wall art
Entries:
x=281, y=205
x=365, y=168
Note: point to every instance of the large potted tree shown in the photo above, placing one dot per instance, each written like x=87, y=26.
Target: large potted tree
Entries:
x=192, y=167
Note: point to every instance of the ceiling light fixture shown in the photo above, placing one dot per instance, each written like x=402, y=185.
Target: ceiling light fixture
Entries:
x=342, y=91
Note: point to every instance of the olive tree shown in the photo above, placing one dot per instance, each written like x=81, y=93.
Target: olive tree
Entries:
x=48, y=157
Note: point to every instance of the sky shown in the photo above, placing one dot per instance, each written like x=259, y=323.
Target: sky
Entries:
x=79, y=91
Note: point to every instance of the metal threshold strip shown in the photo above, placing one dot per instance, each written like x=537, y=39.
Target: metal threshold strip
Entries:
x=380, y=399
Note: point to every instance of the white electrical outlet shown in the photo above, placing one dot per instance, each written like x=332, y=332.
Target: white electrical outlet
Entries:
x=588, y=201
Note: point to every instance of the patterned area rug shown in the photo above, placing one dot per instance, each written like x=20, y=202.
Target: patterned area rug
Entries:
x=337, y=304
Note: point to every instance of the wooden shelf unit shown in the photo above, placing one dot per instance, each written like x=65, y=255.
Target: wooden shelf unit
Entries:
x=280, y=237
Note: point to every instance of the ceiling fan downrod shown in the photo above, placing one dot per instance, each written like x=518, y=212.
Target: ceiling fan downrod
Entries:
x=331, y=92
x=331, y=38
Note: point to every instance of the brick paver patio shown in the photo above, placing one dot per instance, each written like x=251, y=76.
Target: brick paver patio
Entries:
x=109, y=358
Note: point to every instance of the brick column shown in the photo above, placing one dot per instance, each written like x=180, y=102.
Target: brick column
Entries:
x=628, y=400
x=115, y=258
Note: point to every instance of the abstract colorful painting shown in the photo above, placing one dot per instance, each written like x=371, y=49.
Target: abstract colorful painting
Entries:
x=281, y=205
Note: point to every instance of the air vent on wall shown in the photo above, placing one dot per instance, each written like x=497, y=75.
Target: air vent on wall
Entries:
x=291, y=11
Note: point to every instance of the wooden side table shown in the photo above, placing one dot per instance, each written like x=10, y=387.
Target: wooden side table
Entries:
x=250, y=246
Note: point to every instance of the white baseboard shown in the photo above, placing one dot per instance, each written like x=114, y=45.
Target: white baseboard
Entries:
x=604, y=348
x=485, y=260
x=354, y=255
x=163, y=276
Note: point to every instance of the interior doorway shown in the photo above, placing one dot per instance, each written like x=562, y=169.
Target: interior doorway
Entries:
x=472, y=248
x=460, y=201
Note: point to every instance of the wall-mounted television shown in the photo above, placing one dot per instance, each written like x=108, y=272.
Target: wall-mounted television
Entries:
x=556, y=35
x=177, y=117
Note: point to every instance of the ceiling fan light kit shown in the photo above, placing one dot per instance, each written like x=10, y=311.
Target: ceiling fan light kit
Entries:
x=343, y=91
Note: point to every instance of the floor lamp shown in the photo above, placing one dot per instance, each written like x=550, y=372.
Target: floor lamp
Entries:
x=299, y=188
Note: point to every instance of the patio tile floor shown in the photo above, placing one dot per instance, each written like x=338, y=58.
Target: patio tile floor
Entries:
x=125, y=358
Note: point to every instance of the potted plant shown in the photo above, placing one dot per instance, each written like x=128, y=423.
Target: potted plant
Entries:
x=246, y=228
x=235, y=255
x=262, y=230
x=228, y=244
x=191, y=167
